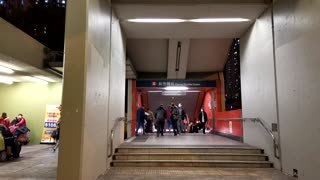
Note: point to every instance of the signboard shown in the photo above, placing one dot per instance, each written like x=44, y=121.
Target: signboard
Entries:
x=166, y=83
x=52, y=115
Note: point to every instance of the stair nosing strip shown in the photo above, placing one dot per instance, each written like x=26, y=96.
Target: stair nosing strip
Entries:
x=199, y=154
x=191, y=161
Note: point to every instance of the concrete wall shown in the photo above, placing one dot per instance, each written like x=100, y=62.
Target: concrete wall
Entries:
x=117, y=81
x=258, y=83
x=30, y=99
x=94, y=89
x=19, y=45
x=297, y=28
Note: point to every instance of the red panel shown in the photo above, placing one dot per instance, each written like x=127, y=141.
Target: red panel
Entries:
x=207, y=107
x=233, y=127
x=134, y=107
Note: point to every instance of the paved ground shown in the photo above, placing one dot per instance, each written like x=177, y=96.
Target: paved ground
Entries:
x=39, y=163
x=36, y=163
x=193, y=173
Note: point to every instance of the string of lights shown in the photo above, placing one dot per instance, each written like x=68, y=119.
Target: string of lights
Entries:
x=232, y=77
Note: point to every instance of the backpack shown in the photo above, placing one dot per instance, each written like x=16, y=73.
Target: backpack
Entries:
x=161, y=114
x=175, y=113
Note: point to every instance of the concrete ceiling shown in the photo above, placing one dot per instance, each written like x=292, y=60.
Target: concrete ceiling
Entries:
x=152, y=47
x=127, y=11
x=22, y=70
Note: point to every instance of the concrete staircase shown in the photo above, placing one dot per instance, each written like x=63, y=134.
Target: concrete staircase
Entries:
x=190, y=156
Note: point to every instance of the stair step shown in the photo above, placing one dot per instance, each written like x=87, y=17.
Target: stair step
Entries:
x=190, y=156
x=183, y=149
x=191, y=163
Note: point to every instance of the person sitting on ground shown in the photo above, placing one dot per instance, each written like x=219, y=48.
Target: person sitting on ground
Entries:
x=21, y=121
x=9, y=142
x=5, y=120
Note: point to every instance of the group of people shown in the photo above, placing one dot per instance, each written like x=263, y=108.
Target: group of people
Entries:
x=18, y=121
x=9, y=129
x=175, y=116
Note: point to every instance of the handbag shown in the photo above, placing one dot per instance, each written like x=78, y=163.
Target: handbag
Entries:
x=185, y=121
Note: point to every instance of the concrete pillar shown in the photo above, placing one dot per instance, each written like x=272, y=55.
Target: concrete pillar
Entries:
x=86, y=115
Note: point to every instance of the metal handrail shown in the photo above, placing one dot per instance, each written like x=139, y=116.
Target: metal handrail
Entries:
x=112, y=134
x=263, y=124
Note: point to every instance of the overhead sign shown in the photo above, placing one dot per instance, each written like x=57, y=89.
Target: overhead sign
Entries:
x=166, y=83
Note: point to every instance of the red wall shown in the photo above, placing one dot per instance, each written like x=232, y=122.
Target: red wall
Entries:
x=133, y=107
x=233, y=127
x=136, y=103
x=207, y=107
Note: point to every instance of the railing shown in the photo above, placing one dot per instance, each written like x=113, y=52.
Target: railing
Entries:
x=263, y=124
x=112, y=135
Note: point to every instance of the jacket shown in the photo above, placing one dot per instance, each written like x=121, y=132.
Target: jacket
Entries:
x=5, y=122
x=161, y=112
x=140, y=115
x=22, y=122
x=205, y=116
x=183, y=113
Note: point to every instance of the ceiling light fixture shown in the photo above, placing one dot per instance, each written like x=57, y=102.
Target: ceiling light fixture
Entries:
x=173, y=93
x=218, y=20
x=176, y=88
x=6, y=80
x=156, y=20
x=45, y=78
x=34, y=79
x=6, y=70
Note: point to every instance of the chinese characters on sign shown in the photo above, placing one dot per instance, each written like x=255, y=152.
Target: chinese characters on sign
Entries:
x=52, y=115
x=166, y=83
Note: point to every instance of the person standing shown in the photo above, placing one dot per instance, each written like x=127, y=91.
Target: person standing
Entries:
x=150, y=119
x=203, y=118
x=140, y=120
x=169, y=123
x=161, y=115
x=174, y=118
x=182, y=116
x=57, y=132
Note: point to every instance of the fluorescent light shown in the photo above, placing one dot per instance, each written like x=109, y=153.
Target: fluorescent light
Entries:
x=6, y=80
x=6, y=70
x=217, y=20
x=33, y=79
x=176, y=88
x=154, y=91
x=156, y=20
x=173, y=93
x=45, y=78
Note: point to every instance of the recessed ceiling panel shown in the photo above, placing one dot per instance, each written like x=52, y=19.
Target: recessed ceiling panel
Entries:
x=148, y=55
x=208, y=55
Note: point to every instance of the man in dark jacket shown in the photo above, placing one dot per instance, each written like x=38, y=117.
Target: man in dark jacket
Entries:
x=140, y=119
x=203, y=118
x=161, y=115
x=174, y=118
x=182, y=116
